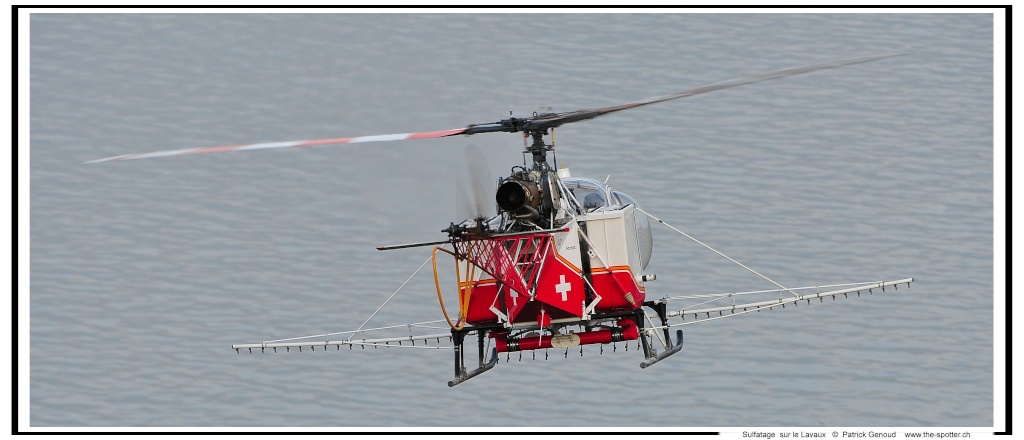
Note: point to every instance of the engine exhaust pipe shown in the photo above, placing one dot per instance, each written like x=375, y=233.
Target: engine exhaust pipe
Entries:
x=521, y=198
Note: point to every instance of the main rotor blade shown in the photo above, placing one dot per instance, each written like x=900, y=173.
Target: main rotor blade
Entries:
x=532, y=124
x=543, y=122
x=286, y=144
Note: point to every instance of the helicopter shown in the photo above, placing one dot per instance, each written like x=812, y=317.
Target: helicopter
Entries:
x=560, y=265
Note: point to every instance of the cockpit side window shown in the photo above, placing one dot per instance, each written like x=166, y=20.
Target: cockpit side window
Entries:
x=590, y=196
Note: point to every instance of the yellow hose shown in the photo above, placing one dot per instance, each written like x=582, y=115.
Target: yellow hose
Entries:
x=465, y=288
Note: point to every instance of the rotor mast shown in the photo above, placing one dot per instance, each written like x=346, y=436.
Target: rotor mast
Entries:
x=539, y=150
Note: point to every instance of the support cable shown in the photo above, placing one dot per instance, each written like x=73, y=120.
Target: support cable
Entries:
x=715, y=251
x=389, y=298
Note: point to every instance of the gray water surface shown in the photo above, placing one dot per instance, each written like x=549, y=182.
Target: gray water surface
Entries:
x=143, y=273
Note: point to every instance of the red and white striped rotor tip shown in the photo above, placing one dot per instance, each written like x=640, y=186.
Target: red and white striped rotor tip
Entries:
x=286, y=144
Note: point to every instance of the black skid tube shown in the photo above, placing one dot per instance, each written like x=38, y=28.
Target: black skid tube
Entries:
x=653, y=359
x=464, y=376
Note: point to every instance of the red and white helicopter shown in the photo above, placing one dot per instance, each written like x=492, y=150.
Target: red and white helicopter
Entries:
x=561, y=265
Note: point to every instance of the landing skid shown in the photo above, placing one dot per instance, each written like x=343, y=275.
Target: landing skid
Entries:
x=654, y=358
x=458, y=338
x=464, y=376
x=651, y=355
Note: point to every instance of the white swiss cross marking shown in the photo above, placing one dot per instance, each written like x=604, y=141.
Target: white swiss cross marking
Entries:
x=563, y=287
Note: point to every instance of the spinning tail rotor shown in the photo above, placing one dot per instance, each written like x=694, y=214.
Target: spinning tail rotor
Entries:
x=472, y=186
